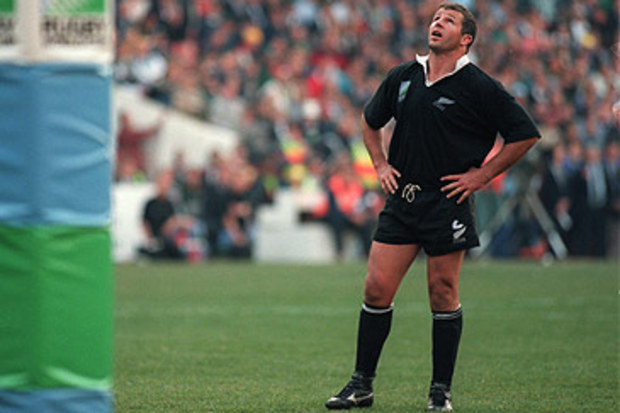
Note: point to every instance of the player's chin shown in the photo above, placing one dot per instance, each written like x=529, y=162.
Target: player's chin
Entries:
x=440, y=47
x=434, y=47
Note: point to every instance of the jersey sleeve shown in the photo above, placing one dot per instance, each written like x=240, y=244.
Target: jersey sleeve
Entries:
x=513, y=122
x=380, y=108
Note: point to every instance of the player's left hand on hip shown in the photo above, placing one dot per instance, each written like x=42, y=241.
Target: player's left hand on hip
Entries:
x=464, y=184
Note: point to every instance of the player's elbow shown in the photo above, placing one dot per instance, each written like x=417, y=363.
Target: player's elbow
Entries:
x=521, y=147
x=366, y=126
x=364, y=122
x=532, y=141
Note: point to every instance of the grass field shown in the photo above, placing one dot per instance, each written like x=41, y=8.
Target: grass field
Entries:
x=239, y=337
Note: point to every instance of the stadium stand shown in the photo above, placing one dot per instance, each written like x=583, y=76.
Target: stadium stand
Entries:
x=290, y=77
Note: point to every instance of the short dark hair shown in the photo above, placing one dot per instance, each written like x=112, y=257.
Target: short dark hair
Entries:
x=469, y=21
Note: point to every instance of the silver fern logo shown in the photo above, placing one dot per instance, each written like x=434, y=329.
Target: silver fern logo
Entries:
x=402, y=90
x=442, y=102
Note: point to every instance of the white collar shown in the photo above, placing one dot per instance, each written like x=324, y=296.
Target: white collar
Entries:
x=423, y=60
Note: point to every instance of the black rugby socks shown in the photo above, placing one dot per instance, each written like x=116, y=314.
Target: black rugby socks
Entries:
x=374, y=327
x=447, y=327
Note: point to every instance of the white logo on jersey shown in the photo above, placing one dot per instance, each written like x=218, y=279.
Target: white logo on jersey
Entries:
x=442, y=102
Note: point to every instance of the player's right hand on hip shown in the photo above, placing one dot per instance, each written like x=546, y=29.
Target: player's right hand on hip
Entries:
x=388, y=178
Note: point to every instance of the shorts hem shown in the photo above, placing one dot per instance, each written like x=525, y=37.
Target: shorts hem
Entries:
x=436, y=252
x=394, y=242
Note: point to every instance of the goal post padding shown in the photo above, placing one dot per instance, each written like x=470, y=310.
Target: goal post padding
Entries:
x=56, y=307
x=56, y=159
x=55, y=247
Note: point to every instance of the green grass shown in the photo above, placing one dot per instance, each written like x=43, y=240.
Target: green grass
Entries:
x=233, y=337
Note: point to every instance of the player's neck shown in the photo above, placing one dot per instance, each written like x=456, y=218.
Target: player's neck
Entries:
x=441, y=64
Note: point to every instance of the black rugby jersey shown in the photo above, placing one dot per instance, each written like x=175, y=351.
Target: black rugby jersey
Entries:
x=447, y=127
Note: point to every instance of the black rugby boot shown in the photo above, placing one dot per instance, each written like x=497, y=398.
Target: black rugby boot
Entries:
x=439, y=398
x=357, y=393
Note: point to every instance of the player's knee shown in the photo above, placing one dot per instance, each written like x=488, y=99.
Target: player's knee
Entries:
x=443, y=295
x=376, y=294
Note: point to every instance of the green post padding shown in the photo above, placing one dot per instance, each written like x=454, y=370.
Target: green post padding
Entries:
x=55, y=308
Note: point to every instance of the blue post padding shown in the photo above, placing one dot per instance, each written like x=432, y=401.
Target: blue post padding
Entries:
x=56, y=144
x=56, y=401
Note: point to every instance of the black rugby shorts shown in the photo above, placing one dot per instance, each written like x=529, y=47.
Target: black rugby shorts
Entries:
x=438, y=224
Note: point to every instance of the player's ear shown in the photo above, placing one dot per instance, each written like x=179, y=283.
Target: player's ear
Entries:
x=466, y=39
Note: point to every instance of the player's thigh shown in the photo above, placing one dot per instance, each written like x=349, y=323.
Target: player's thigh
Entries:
x=387, y=265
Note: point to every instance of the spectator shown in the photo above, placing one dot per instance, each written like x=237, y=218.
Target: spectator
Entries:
x=215, y=201
x=554, y=191
x=139, y=60
x=227, y=106
x=232, y=192
x=589, y=200
x=235, y=240
x=130, y=151
x=295, y=151
x=246, y=194
x=127, y=170
x=191, y=193
x=612, y=171
x=167, y=234
x=172, y=17
x=349, y=208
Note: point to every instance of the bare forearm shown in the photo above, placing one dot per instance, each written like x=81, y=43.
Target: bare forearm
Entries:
x=467, y=183
x=373, y=140
x=506, y=157
x=387, y=175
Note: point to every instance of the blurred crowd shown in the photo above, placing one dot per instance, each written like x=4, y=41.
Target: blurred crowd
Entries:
x=291, y=77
